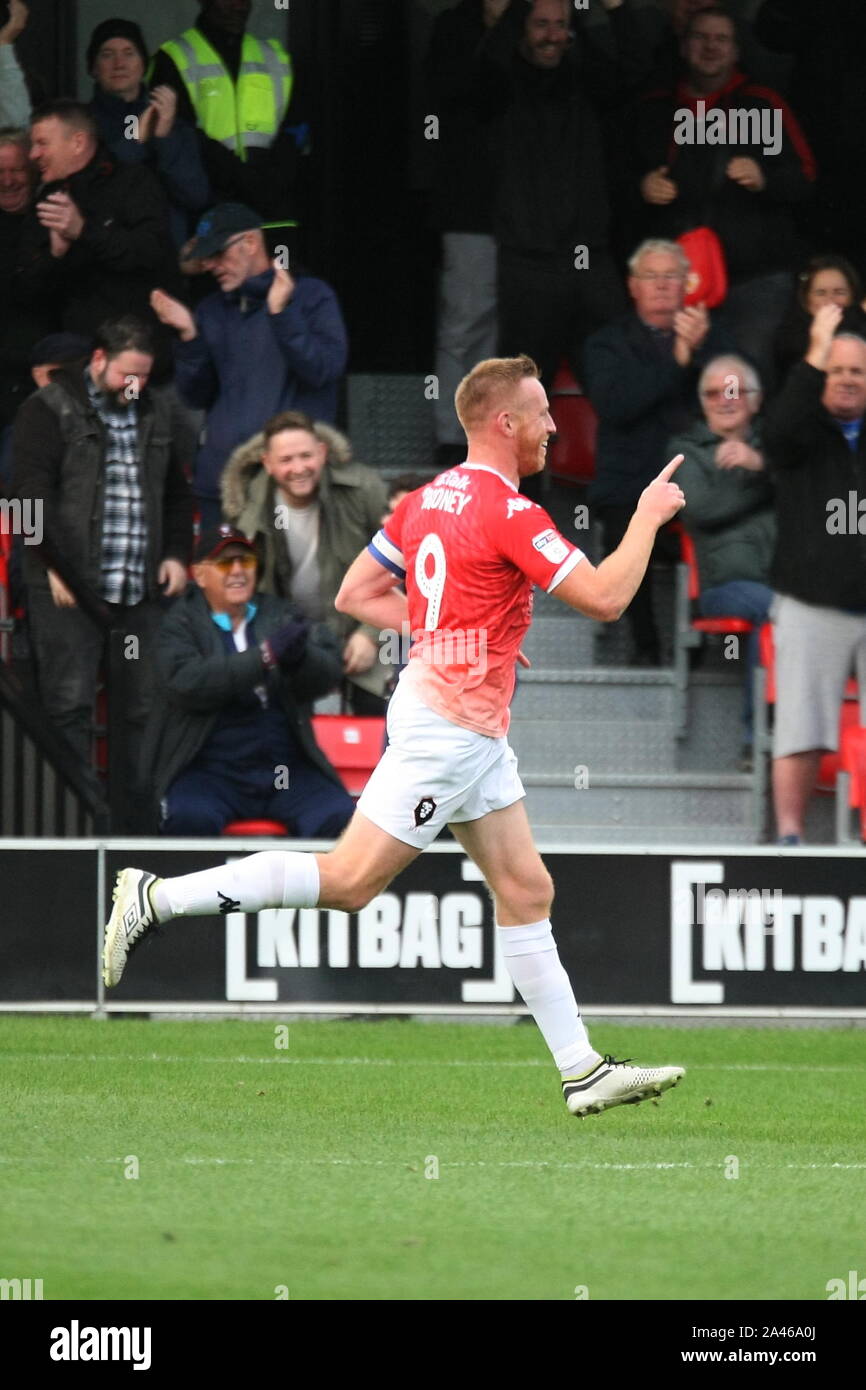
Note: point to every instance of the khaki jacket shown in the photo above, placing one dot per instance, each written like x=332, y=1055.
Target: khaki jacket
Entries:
x=352, y=499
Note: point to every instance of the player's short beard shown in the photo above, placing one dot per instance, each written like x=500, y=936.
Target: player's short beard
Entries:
x=527, y=457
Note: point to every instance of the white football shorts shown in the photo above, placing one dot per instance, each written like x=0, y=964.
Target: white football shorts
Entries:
x=434, y=772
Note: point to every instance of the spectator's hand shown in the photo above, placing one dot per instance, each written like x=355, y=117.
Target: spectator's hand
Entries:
x=661, y=501
x=163, y=102
x=63, y=597
x=188, y=262
x=824, y=325
x=173, y=313
x=173, y=577
x=61, y=215
x=58, y=245
x=657, y=188
x=359, y=654
x=691, y=327
x=493, y=11
x=733, y=453
x=146, y=123
x=281, y=290
x=16, y=23
x=286, y=646
x=747, y=173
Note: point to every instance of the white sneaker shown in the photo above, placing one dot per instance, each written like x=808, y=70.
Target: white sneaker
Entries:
x=132, y=918
x=612, y=1083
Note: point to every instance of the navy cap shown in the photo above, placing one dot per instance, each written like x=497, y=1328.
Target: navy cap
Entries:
x=219, y=225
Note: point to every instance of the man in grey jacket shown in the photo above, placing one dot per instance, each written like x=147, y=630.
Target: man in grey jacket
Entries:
x=729, y=505
x=298, y=490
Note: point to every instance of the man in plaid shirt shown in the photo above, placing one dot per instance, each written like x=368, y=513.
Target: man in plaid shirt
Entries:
x=95, y=453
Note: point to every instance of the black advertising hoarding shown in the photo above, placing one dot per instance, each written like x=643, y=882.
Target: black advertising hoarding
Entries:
x=427, y=940
x=641, y=929
x=48, y=928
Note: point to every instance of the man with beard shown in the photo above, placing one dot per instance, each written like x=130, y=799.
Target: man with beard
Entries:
x=94, y=456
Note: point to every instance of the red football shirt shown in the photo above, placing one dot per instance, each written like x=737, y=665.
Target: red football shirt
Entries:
x=469, y=548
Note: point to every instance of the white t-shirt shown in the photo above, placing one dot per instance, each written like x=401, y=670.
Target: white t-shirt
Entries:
x=302, y=544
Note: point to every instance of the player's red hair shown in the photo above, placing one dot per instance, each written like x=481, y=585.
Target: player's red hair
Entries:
x=485, y=389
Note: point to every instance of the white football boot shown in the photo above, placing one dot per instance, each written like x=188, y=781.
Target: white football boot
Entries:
x=612, y=1083
x=133, y=917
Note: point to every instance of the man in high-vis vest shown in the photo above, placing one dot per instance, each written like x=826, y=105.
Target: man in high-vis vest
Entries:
x=237, y=90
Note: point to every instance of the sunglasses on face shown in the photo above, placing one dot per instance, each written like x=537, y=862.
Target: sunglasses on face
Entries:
x=227, y=562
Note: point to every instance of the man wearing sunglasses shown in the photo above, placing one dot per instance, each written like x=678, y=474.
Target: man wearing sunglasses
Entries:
x=230, y=736
x=269, y=340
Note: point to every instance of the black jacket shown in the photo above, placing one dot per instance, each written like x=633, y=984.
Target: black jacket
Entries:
x=21, y=325
x=462, y=155
x=756, y=229
x=551, y=180
x=642, y=397
x=198, y=676
x=124, y=252
x=812, y=467
x=58, y=451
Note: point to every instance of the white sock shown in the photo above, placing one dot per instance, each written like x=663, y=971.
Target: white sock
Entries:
x=273, y=878
x=534, y=965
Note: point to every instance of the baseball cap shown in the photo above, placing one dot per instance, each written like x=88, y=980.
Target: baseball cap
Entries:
x=217, y=539
x=219, y=225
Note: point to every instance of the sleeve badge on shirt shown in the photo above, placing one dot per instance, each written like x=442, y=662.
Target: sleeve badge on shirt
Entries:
x=551, y=546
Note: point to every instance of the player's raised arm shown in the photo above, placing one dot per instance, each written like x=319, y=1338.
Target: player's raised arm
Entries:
x=369, y=593
x=606, y=591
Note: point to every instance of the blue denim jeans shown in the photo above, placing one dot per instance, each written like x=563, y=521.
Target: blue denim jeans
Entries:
x=741, y=598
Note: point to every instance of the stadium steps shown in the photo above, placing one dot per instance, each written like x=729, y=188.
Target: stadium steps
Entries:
x=577, y=715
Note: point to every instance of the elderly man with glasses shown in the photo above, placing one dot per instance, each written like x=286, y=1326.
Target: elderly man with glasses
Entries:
x=640, y=372
x=730, y=510
x=230, y=736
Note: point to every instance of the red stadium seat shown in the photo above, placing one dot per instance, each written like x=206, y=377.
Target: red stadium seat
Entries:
x=353, y=745
x=722, y=625
x=5, y=600
x=852, y=760
x=572, y=452
x=255, y=827
x=690, y=630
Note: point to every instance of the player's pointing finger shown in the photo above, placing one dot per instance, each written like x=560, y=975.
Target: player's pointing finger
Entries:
x=670, y=468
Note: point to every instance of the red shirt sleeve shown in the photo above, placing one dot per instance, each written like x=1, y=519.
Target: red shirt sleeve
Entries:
x=525, y=534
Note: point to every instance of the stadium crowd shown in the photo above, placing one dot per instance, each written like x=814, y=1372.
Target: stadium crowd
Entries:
x=617, y=187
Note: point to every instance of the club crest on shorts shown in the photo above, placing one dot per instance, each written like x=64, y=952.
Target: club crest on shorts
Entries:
x=424, y=810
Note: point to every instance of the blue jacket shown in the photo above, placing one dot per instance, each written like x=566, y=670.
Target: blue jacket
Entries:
x=174, y=158
x=247, y=365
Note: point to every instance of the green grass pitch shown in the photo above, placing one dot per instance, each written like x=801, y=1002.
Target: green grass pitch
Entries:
x=402, y=1160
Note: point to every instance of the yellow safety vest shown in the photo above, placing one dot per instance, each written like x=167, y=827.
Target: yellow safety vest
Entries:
x=241, y=115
